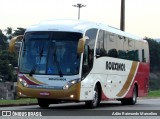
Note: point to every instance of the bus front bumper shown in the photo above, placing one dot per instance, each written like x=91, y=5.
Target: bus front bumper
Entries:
x=73, y=93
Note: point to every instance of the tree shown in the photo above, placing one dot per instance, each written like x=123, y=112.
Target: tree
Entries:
x=7, y=63
x=154, y=49
x=19, y=31
x=9, y=32
x=3, y=41
x=8, y=60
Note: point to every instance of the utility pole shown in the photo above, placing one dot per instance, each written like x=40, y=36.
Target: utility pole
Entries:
x=122, y=20
x=79, y=6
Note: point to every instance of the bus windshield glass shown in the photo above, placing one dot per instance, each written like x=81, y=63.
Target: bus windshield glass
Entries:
x=50, y=53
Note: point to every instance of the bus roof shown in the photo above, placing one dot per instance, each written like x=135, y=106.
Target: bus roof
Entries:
x=76, y=26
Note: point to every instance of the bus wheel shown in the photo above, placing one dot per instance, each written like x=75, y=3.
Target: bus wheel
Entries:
x=96, y=99
x=43, y=103
x=132, y=100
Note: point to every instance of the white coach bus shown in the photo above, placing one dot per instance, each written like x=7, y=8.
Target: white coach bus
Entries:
x=74, y=60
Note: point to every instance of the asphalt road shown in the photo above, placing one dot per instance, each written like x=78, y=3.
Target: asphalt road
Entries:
x=70, y=110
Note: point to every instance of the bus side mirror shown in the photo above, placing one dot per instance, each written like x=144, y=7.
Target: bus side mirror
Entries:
x=81, y=44
x=13, y=41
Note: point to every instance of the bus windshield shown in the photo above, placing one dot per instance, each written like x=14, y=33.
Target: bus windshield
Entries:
x=51, y=53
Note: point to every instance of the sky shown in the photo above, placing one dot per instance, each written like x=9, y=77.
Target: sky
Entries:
x=142, y=17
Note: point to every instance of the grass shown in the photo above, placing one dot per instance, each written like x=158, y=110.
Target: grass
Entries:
x=155, y=93
x=18, y=101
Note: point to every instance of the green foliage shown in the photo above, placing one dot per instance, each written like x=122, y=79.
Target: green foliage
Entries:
x=7, y=63
x=9, y=30
x=18, y=101
x=8, y=60
x=19, y=31
x=155, y=93
x=154, y=84
x=154, y=49
x=3, y=41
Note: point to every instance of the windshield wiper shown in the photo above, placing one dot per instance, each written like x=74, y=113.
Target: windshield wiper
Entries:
x=36, y=64
x=57, y=64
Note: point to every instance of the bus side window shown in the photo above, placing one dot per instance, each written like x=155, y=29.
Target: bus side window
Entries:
x=146, y=52
x=111, y=45
x=85, y=56
x=136, y=55
x=89, y=51
x=138, y=49
x=121, y=47
x=131, y=50
x=113, y=53
x=143, y=57
x=100, y=51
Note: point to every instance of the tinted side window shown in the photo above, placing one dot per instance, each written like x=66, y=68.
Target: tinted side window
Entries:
x=91, y=34
x=138, y=51
x=100, y=51
x=106, y=40
x=89, y=51
x=122, y=47
x=111, y=46
x=131, y=51
x=145, y=52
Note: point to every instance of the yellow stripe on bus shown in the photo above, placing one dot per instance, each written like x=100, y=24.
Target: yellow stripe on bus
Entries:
x=129, y=80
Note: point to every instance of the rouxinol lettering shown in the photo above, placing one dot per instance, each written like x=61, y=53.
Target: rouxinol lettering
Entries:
x=115, y=66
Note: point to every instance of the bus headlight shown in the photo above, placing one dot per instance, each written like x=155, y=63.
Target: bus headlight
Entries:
x=70, y=83
x=23, y=82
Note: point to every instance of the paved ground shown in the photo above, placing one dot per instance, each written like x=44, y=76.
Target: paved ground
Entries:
x=79, y=110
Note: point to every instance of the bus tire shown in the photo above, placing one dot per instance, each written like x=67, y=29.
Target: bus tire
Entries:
x=43, y=103
x=96, y=99
x=132, y=100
